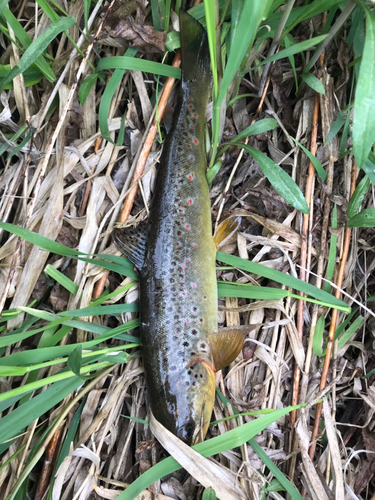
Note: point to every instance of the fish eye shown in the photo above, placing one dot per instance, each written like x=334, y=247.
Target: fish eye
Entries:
x=186, y=432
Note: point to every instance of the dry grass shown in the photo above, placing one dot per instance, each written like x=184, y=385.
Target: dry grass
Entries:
x=69, y=184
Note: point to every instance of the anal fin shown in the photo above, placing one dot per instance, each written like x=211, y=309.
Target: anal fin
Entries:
x=131, y=241
x=225, y=347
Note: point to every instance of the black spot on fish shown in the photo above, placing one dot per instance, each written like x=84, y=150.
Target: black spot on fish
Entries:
x=186, y=344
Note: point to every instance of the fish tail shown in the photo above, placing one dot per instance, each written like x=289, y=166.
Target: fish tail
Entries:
x=195, y=52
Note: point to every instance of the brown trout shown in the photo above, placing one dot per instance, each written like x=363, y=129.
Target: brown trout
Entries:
x=174, y=252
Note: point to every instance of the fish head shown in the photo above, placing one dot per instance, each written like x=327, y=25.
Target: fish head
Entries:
x=194, y=408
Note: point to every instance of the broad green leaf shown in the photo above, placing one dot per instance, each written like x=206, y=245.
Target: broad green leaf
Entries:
x=124, y=63
x=369, y=167
x=313, y=82
x=358, y=196
x=279, y=179
x=364, y=102
x=284, y=279
x=209, y=494
x=366, y=218
x=37, y=48
x=335, y=127
x=172, y=42
x=75, y=361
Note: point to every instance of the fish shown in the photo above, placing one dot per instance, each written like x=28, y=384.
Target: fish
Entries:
x=174, y=253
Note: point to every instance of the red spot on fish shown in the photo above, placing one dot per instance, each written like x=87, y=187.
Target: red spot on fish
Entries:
x=180, y=171
x=187, y=320
x=182, y=219
x=182, y=294
x=187, y=261
x=187, y=226
x=190, y=107
x=193, y=285
x=183, y=266
x=195, y=115
x=182, y=211
x=192, y=127
x=190, y=201
x=177, y=244
x=195, y=245
x=199, y=218
x=191, y=158
x=189, y=147
x=195, y=140
x=191, y=176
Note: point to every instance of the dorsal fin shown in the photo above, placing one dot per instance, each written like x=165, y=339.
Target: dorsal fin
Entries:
x=131, y=241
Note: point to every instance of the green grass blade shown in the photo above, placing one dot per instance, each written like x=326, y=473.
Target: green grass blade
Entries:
x=279, y=179
x=284, y=481
x=37, y=48
x=64, y=281
x=13, y=423
x=294, y=49
x=256, y=128
x=250, y=291
x=26, y=41
x=332, y=252
x=284, y=279
x=124, y=62
x=335, y=127
x=231, y=439
x=314, y=160
x=364, y=101
x=318, y=337
x=125, y=268
x=242, y=36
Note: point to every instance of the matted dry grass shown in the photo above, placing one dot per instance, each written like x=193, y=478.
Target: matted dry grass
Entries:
x=69, y=184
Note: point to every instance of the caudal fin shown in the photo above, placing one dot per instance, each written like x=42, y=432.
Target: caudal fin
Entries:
x=195, y=52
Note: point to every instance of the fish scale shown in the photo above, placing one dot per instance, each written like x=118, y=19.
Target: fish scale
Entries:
x=174, y=252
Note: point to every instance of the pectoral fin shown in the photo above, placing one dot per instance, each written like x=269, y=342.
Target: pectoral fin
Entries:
x=225, y=347
x=131, y=241
x=226, y=231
